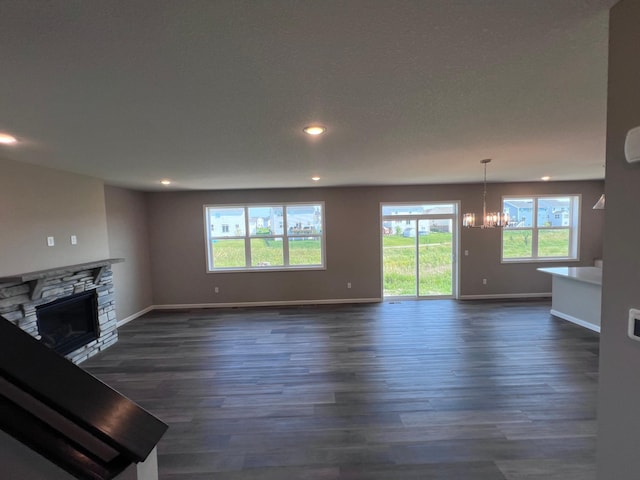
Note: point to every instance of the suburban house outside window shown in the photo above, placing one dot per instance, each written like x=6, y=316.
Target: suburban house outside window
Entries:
x=541, y=228
x=283, y=236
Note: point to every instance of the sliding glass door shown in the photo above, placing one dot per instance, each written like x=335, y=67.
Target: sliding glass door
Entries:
x=419, y=243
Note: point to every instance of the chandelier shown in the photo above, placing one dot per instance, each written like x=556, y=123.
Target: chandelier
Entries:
x=489, y=219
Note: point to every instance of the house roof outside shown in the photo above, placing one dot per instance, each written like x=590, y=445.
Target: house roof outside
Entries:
x=543, y=203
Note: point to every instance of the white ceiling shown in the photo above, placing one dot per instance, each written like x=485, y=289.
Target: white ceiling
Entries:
x=213, y=94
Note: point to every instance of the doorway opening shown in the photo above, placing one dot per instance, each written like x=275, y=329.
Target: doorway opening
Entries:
x=419, y=250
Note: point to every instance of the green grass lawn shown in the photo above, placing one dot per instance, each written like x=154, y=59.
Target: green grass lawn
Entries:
x=265, y=252
x=551, y=243
x=399, y=257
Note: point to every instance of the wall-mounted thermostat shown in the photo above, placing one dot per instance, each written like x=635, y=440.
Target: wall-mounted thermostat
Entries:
x=632, y=145
x=634, y=324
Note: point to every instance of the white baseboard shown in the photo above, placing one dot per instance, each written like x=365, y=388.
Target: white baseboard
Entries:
x=577, y=321
x=498, y=296
x=331, y=301
x=283, y=303
x=187, y=306
x=124, y=321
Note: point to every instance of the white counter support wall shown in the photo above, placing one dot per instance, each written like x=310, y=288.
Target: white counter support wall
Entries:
x=577, y=295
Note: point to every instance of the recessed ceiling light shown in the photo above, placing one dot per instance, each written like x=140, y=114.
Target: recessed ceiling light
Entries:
x=165, y=182
x=7, y=139
x=546, y=178
x=314, y=130
x=315, y=179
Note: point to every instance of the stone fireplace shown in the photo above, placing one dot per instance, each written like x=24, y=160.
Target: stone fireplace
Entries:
x=49, y=304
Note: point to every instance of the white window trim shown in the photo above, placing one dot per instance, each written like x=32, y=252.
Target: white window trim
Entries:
x=574, y=230
x=247, y=238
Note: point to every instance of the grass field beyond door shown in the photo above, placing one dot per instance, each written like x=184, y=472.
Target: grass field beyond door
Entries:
x=399, y=257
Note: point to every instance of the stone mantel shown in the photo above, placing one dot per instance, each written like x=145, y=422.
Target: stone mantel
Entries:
x=52, y=272
x=36, y=279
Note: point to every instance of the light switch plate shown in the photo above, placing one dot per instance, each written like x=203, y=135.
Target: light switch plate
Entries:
x=634, y=324
x=51, y=241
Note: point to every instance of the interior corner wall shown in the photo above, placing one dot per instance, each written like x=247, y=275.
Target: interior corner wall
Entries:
x=353, y=250
x=619, y=393
x=37, y=202
x=127, y=224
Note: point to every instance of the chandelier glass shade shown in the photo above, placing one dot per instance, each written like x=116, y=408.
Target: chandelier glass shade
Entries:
x=489, y=219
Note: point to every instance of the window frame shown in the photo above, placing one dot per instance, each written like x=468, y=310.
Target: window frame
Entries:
x=574, y=229
x=247, y=237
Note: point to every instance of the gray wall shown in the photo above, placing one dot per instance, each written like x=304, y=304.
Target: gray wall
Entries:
x=20, y=462
x=127, y=218
x=179, y=258
x=513, y=278
x=619, y=401
x=178, y=255
x=161, y=237
x=37, y=202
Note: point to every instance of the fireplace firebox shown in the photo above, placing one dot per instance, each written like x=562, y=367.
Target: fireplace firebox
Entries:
x=68, y=323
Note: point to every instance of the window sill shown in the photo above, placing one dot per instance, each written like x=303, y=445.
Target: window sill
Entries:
x=539, y=260
x=267, y=269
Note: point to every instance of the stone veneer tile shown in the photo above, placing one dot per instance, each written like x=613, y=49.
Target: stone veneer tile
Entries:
x=17, y=306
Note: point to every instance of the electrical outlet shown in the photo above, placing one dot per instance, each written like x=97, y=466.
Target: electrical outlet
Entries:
x=74, y=240
x=51, y=241
x=484, y=281
x=466, y=253
x=216, y=289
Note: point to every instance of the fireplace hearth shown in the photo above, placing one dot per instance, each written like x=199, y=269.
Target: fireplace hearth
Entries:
x=68, y=323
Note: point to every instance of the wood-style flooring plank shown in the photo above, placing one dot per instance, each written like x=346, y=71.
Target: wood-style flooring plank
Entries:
x=437, y=389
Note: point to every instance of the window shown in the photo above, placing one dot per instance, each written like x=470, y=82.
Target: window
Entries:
x=541, y=228
x=265, y=237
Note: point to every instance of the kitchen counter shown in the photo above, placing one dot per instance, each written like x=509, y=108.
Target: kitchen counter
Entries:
x=576, y=294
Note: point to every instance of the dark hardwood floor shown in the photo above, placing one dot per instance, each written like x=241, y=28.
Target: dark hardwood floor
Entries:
x=412, y=390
